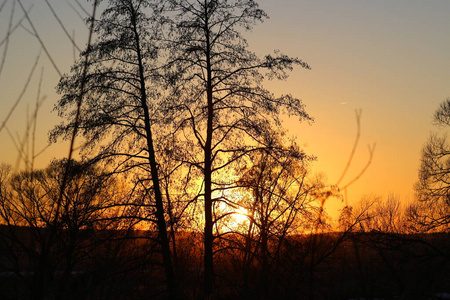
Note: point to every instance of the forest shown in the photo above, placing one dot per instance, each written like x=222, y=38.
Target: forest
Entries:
x=187, y=185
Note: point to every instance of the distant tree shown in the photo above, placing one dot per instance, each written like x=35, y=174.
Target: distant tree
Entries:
x=375, y=214
x=433, y=187
x=28, y=205
x=222, y=107
x=280, y=203
x=120, y=106
x=390, y=216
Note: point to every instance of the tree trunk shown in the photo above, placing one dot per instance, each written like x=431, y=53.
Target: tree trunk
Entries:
x=161, y=222
x=264, y=280
x=209, y=238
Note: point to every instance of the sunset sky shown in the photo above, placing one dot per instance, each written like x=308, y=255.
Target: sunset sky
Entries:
x=389, y=58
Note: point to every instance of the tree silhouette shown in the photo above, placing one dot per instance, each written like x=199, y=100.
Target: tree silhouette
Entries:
x=279, y=205
x=28, y=202
x=222, y=107
x=433, y=189
x=120, y=103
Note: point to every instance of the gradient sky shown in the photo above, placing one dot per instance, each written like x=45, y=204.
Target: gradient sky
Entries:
x=389, y=58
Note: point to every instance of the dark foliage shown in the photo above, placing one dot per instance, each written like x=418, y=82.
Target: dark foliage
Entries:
x=365, y=265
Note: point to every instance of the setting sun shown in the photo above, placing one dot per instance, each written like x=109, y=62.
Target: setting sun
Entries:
x=241, y=216
x=235, y=218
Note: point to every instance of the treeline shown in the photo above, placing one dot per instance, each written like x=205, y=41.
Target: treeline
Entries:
x=188, y=186
x=98, y=241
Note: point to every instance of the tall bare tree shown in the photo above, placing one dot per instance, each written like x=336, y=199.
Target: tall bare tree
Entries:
x=120, y=103
x=433, y=186
x=223, y=109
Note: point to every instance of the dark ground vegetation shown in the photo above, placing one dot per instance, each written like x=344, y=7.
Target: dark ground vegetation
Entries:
x=127, y=265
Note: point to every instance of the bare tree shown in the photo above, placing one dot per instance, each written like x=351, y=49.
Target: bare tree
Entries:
x=120, y=103
x=28, y=204
x=280, y=203
x=433, y=186
x=222, y=108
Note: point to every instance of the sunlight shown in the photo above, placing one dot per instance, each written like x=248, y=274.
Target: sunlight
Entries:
x=236, y=217
x=240, y=216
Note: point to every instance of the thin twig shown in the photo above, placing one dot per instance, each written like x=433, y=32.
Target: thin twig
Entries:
x=39, y=102
x=76, y=11
x=18, y=146
x=3, y=4
x=8, y=34
x=358, y=114
x=371, y=151
x=83, y=9
x=36, y=34
x=21, y=94
x=62, y=25
x=18, y=24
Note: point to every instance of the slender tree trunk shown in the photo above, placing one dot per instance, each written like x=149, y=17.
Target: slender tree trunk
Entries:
x=161, y=222
x=248, y=258
x=264, y=283
x=172, y=230
x=209, y=238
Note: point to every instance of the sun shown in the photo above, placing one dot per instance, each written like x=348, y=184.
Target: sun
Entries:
x=240, y=216
x=235, y=218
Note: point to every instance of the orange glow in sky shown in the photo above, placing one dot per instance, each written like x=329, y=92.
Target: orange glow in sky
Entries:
x=388, y=58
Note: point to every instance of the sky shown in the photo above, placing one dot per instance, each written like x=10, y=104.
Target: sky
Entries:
x=389, y=59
